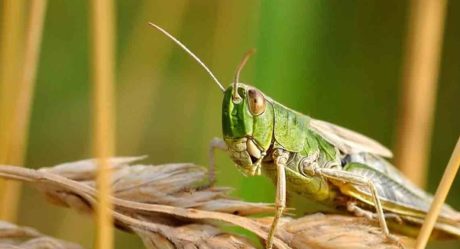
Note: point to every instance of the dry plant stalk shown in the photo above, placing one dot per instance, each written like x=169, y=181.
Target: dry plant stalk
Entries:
x=21, y=104
x=16, y=237
x=10, y=44
x=173, y=206
x=102, y=17
x=423, y=50
x=440, y=197
x=26, y=86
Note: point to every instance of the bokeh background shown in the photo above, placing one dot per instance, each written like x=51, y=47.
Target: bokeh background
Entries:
x=341, y=61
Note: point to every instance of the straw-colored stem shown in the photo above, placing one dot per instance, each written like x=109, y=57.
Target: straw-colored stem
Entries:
x=440, y=197
x=103, y=78
x=12, y=18
x=27, y=80
x=423, y=52
x=22, y=104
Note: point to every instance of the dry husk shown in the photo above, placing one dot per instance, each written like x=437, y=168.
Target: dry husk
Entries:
x=173, y=206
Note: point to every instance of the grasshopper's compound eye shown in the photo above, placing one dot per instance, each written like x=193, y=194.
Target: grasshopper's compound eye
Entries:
x=256, y=101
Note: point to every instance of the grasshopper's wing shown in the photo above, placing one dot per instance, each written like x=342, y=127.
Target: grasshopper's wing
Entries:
x=348, y=141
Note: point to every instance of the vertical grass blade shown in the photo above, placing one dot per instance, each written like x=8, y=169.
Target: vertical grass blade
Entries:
x=27, y=81
x=423, y=52
x=440, y=197
x=12, y=18
x=102, y=21
x=23, y=101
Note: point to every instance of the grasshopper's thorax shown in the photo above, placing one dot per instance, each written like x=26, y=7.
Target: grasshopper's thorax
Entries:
x=247, y=125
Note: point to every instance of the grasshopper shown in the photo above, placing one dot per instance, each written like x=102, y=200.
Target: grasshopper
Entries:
x=318, y=160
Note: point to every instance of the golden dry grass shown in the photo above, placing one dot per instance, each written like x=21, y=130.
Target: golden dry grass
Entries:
x=440, y=197
x=419, y=88
x=17, y=237
x=18, y=83
x=173, y=206
x=103, y=34
x=12, y=20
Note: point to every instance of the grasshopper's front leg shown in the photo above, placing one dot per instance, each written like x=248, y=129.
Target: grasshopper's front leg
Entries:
x=216, y=143
x=280, y=157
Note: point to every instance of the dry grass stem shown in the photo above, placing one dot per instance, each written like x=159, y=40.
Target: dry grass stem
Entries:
x=10, y=60
x=423, y=52
x=104, y=143
x=22, y=103
x=15, y=237
x=440, y=197
x=173, y=206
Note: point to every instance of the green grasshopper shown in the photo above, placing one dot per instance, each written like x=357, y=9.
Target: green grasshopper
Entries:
x=317, y=160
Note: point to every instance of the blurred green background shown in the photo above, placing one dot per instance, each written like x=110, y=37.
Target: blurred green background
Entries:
x=340, y=61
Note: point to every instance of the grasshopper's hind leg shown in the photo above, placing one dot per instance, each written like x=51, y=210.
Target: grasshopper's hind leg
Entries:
x=216, y=143
x=356, y=210
x=280, y=158
x=350, y=178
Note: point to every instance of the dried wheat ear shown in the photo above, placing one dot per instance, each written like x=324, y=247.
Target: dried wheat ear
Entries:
x=173, y=206
x=16, y=237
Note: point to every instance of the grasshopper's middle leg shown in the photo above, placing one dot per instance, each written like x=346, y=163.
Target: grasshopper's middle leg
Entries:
x=216, y=143
x=280, y=158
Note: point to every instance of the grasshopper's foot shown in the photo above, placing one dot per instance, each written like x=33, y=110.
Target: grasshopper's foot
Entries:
x=393, y=239
x=352, y=207
x=280, y=157
x=271, y=233
x=268, y=244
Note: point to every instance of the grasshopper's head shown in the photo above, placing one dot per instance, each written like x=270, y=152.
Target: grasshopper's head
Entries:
x=247, y=117
x=247, y=124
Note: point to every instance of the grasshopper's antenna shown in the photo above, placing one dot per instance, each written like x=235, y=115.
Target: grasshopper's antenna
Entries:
x=236, y=97
x=190, y=53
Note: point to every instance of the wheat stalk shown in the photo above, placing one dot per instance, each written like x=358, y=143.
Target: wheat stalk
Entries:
x=103, y=47
x=420, y=80
x=173, y=206
x=440, y=197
